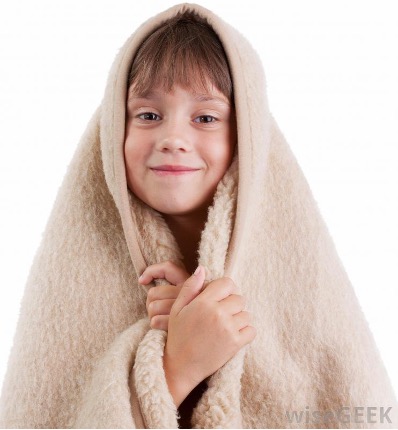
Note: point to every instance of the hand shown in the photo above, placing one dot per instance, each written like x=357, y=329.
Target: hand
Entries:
x=160, y=299
x=206, y=329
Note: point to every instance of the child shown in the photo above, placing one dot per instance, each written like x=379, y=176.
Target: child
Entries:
x=196, y=128
x=268, y=325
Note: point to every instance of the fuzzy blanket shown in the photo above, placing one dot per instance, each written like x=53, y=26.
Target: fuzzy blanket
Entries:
x=84, y=354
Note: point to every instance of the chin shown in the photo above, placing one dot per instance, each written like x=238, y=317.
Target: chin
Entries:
x=177, y=210
x=180, y=207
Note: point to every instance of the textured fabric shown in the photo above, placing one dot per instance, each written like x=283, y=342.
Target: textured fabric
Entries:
x=84, y=354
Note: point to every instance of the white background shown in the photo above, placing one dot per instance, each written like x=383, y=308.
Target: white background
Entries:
x=332, y=76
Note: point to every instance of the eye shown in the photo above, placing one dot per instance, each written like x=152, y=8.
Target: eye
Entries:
x=147, y=116
x=206, y=119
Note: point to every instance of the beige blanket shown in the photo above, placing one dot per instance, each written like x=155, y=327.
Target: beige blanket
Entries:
x=84, y=354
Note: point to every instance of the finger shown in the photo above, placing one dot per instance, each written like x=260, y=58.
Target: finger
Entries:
x=162, y=292
x=219, y=289
x=241, y=320
x=247, y=334
x=233, y=304
x=160, y=322
x=190, y=289
x=160, y=307
x=166, y=270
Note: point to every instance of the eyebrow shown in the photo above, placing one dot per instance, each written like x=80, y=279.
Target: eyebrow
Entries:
x=149, y=95
x=208, y=97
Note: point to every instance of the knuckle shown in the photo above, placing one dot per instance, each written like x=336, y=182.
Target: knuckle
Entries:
x=169, y=264
x=219, y=314
x=240, y=299
x=236, y=339
x=151, y=294
x=152, y=308
x=153, y=323
x=253, y=332
x=228, y=281
x=243, y=300
x=230, y=285
x=158, y=322
x=246, y=315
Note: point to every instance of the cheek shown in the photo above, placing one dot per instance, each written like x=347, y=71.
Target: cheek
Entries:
x=220, y=151
x=128, y=155
x=135, y=150
x=129, y=148
x=134, y=160
x=134, y=144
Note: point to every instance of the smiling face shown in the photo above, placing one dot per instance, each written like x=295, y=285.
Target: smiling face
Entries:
x=179, y=128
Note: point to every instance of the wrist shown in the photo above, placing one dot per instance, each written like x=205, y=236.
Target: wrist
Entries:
x=179, y=387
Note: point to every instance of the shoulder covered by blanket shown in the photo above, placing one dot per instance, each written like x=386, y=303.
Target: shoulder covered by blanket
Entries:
x=84, y=354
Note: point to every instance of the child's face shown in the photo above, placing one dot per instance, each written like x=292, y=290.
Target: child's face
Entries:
x=176, y=129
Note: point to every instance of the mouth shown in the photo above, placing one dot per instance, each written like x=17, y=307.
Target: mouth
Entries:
x=160, y=172
x=169, y=170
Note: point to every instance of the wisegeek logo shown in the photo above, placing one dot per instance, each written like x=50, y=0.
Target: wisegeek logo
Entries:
x=346, y=415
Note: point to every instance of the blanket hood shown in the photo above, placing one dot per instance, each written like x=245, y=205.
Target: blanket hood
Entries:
x=251, y=108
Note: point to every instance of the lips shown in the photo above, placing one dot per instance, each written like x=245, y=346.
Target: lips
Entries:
x=173, y=168
x=174, y=171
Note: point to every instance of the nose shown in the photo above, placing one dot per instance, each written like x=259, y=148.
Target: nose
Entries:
x=173, y=137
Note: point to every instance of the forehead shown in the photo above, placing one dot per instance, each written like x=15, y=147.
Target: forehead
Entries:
x=211, y=95
x=193, y=79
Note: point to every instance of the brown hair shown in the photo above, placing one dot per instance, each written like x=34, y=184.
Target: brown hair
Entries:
x=184, y=50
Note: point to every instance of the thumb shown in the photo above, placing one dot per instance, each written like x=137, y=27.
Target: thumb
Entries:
x=190, y=289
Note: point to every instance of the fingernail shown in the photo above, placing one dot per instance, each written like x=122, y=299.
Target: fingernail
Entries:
x=196, y=273
x=141, y=278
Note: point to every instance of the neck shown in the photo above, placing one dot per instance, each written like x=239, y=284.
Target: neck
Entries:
x=187, y=230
